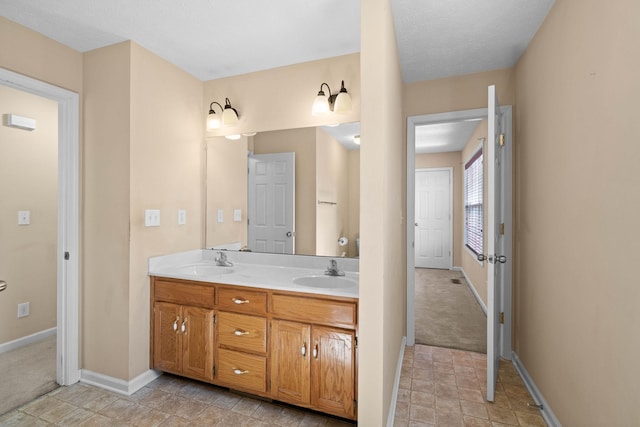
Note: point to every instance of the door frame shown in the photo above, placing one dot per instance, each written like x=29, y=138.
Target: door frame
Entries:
x=412, y=122
x=67, y=348
x=450, y=170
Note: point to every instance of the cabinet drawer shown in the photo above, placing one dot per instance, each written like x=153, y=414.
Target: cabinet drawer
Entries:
x=243, y=371
x=184, y=293
x=242, y=331
x=314, y=310
x=242, y=300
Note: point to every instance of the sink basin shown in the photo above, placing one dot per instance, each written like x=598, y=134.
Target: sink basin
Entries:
x=326, y=282
x=204, y=270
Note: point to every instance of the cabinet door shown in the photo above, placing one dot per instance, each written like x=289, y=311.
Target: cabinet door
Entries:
x=333, y=371
x=290, y=361
x=196, y=328
x=167, y=339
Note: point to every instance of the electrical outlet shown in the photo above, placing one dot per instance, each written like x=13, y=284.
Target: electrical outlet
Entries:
x=220, y=215
x=237, y=215
x=23, y=309
x=24, y=217
x=182, y=216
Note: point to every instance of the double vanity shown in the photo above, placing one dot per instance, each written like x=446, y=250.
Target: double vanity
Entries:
x=276, y=326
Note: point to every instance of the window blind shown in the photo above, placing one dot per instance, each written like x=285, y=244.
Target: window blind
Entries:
x=473, y=203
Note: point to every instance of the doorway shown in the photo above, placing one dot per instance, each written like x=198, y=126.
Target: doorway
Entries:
x=66, y=253
x=412, y=124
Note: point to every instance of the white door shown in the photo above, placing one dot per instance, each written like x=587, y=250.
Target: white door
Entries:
x=433, y=218
x=495, y=250
x=271, y=204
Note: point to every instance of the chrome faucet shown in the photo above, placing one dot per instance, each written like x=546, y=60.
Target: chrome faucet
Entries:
x=221, y=260
x=333, y=269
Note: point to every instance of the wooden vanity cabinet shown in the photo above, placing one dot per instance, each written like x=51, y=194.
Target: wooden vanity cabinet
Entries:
x=314, y=364
x=292, y=347
x=183, y=332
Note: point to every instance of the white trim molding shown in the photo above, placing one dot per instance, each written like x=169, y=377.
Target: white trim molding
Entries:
x=396, y=384
x=68, y=246
x=29, y=339
x=116, y=385
x=538, y=399
x=475, y=293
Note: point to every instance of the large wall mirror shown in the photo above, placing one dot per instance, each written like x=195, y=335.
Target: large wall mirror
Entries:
x=286, y=191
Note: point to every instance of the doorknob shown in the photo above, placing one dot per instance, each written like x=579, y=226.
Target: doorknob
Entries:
x=416, y=224
x=289, y=234
x=491, y=259
x=3, y=285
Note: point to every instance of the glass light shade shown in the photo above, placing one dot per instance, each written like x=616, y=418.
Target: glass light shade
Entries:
x=214, y=122
x=342, y=104
x=320, y=105
x=229, y=117
x=233, y=137
x=356, y=139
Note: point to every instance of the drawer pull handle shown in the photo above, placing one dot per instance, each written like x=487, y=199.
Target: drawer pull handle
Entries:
x=303, y=350
x=184, y=326
x=240, y=371
x=240, y=332
x=175, y=324
x=237, y=300
x=315, y=351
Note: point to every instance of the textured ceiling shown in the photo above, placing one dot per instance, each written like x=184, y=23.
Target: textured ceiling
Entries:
x=212, y=39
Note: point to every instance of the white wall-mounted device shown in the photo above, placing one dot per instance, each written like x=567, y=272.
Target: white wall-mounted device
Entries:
x=20, y=122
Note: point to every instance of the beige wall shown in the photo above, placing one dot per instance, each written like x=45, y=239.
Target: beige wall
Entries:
x=577, y=204
x=105, y=302
x=281, y=98
x=34, y=55
x=28, y=181
x=383, y=250
x=143, y=138
x=475, y=271
x=332, y=185
x=303, y=143
x=449, y=160
x=227, y=181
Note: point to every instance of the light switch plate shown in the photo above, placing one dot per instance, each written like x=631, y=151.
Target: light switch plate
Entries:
x=24, y=217
x=237, y=215
x=220, y=215
x=152, y=217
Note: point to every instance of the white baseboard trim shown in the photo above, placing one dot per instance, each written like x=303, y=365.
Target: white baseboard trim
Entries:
x=117, y=385
x=29, y=339
x=473, y=289
x=396, y=385
x=546, y=412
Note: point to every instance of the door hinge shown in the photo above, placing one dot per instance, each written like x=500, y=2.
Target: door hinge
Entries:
x=502, y=317
x=502, y=228
x=355, y=404
x=66, y=256
x=502, y=140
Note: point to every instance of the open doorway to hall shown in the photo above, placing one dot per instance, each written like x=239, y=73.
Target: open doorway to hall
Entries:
x=448, y=310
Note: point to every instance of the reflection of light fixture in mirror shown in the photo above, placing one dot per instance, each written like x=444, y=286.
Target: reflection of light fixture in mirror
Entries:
x=229, y=116
x=233, y=137
x=356, y=139
x=249, y=134
x=339, y=103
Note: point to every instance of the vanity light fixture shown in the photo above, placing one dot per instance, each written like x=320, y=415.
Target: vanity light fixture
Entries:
x=339, y=103
x=233, y=137
x=229, y=116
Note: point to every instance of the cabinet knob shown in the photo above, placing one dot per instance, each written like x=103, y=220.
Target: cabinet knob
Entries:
x=238, y=300
x=240, y=371
x=240, y=332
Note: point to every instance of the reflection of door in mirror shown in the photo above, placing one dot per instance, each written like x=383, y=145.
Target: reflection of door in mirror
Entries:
x=327, y=169
x=270, y=210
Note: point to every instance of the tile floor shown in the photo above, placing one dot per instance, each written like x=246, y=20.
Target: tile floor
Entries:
x=438, y=387
x=443, y=387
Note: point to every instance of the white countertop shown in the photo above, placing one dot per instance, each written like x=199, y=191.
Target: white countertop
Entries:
x=269, y=271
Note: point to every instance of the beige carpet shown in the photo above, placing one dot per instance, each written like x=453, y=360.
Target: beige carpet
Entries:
x=447, y=313
x=27, y=373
